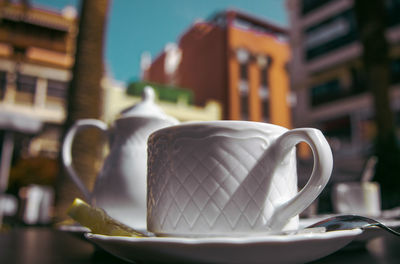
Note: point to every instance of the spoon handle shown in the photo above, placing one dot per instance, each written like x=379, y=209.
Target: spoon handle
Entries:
x=390, y=230
x=344, y=222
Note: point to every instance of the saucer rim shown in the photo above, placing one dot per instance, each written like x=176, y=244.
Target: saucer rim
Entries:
x=226, y=250
x=281, y=238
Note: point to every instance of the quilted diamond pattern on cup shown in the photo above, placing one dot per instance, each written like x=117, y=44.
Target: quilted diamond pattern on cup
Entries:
x=217, y=183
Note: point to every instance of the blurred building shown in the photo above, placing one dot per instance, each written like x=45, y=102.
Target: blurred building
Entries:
x=327, y=76
x=173, y=101
x=36, y=55
x=234, y=58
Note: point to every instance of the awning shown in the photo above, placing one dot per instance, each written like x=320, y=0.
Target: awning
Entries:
x=18, y=122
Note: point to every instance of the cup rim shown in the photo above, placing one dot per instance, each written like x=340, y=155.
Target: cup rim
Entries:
x=223, y=123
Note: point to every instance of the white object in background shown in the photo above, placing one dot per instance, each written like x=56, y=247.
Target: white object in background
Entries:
x=230, y=178
x=39, y=201
x=363, y=198
x=8, y=205
x=120, y=188
x=173, y=58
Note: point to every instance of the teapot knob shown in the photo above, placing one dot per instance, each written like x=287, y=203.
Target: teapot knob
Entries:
x=147, y=107
x=148, y=94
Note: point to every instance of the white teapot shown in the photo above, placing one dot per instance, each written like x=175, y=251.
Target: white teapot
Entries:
x=120, y=187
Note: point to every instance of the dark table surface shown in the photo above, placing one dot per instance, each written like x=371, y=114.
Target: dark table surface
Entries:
x=31, y=245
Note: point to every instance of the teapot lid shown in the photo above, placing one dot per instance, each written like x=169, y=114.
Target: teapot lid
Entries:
x=147, y=107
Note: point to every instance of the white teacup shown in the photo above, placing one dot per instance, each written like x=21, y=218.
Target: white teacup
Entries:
x=230, y=178
x=362, y=198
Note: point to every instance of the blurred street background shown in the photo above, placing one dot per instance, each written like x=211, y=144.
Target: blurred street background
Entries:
x=329, y=64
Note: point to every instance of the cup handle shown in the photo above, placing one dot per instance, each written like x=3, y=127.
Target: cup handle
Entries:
x=320, y=175
x=67, y=146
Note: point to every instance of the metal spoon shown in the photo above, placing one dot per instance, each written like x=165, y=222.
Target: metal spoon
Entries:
x=344, y=222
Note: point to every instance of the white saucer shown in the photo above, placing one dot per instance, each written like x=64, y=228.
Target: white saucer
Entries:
x=73, y=229
x=298, y=248
x=79, y=231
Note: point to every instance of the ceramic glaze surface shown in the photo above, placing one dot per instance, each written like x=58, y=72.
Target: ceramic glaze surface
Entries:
x=120, y=188
x=214, y=178
x=281, y=249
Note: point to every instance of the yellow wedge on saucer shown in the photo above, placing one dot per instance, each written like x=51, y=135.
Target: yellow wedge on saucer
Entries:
x=97, y=220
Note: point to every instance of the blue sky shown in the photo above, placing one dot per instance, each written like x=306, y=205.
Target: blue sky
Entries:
x=135, y=26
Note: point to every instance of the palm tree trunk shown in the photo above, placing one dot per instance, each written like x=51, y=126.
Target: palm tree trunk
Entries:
x=371, y=22
x=85, y=99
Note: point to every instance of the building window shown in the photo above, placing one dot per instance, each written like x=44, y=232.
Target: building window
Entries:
x=57, y=89
x=26, y=89
x=244, y=91
x=244, y=106
x=242, y=56
x=339, y=88
x=243, y=74
x=325, y=92
x=26, y=84
x=3, y=84
x=331, y=34
x=264, y=77
x=264, y=96
x=264, y=89
x=265, y=110
x=243, y=79
x=310, y=5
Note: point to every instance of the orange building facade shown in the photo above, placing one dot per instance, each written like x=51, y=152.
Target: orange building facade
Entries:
x=235, y=59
